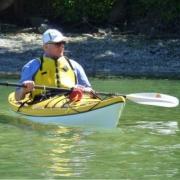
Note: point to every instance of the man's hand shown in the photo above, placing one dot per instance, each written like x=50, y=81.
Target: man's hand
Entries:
x=28, y=86
x=87, y=90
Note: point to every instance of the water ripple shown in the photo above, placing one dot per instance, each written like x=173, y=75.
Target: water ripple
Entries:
x=160, y=127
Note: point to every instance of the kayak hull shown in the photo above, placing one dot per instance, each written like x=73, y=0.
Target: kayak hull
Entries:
x=107, y=117
x=92, y=113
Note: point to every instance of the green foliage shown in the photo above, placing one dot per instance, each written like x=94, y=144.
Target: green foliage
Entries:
x=70, y=11
x=164, y=10
x=98, y=11
x=77, y=10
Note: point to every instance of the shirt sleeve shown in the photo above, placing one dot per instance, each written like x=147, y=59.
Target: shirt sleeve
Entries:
x=82, y=79
x=29, y=70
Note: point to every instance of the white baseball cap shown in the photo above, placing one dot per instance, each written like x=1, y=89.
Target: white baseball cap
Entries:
x=53, y=36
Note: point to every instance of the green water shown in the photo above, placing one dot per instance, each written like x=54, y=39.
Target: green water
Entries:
x=145, y=145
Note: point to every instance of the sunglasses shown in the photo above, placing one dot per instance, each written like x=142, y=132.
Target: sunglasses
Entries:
x=59, y=43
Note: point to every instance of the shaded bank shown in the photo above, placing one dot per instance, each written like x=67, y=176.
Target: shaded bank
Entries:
x=99, y=54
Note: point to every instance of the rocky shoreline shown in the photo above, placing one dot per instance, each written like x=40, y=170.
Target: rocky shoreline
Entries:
x=99, y=54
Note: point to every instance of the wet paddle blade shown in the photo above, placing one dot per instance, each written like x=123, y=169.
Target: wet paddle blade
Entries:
x=154, y=99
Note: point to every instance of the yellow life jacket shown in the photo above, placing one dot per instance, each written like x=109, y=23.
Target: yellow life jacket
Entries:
x=56, y=73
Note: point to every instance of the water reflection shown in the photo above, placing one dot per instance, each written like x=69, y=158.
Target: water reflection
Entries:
x=160, y=127
x=58, y=151
x=68, y=155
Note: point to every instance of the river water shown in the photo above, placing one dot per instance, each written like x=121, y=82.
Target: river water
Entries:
x=145, y=145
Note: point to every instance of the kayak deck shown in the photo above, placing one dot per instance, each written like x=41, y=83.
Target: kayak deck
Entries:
x=59, y=110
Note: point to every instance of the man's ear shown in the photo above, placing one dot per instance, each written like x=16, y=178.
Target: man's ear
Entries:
x=45, y=47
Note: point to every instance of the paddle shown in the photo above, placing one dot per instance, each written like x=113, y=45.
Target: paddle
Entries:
x=155, y=99
x=36, y=87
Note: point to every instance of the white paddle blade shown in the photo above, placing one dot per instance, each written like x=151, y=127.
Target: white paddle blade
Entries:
x=154, y=99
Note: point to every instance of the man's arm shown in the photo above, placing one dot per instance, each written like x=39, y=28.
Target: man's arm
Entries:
x=82, y=79
x=27, y=74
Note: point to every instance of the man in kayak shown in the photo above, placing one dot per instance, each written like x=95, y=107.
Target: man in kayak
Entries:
x=53, y=69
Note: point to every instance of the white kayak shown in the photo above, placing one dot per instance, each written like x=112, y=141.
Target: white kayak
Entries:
x=58, y=110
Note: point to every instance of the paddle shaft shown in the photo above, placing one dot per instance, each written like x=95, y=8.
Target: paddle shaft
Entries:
x=36, y=87
x=110, y=94
x=57, y=89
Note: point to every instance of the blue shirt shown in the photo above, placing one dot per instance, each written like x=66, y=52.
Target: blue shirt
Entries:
x=32, y=67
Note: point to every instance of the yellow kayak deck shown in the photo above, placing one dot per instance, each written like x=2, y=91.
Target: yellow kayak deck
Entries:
x=60, y=105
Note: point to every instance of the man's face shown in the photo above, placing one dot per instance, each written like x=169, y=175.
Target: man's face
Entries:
x=54, y=49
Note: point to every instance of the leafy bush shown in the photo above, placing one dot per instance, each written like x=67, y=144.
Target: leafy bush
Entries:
x=70, y=10
x=165, y=10
x=152, y=12
x=76, y=10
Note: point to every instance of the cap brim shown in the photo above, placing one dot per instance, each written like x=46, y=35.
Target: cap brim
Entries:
x=56, y=40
